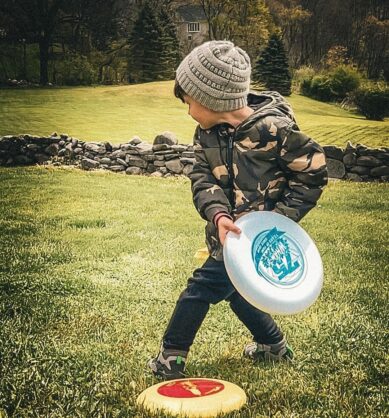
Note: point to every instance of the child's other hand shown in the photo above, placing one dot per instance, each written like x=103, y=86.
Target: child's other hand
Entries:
x=225, y=224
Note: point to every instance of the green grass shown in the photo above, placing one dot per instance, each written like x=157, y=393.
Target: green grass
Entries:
x=117, y=113
x=331, y=125
x=91, y=264
x=96, y=113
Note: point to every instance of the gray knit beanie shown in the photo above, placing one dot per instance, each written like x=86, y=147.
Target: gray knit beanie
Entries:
x=217, y=75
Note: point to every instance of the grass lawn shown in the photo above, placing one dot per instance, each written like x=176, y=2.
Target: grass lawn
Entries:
x=91, y=266
x=117, y=113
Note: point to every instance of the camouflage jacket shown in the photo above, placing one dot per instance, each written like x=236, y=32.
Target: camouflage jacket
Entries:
x=265, y=163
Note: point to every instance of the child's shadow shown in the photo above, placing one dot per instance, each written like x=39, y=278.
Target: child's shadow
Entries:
x=225, y=368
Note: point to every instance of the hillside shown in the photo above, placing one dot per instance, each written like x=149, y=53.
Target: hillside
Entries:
x=117, y=113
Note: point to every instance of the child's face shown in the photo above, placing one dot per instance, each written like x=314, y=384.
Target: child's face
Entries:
x=204, y=116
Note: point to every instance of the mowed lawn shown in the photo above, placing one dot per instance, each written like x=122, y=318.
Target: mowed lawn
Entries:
x=93, y=262
x=117, y=113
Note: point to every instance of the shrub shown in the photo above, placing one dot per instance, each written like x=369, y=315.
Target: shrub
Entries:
x=344, y=79
x=320, y=88
x=75, y=70
x=11, y=66
x=372, y=100
x=302, y=75
x=334, y=85
x=305, y=87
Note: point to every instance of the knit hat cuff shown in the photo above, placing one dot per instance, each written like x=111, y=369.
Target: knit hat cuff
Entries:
x=214, y=103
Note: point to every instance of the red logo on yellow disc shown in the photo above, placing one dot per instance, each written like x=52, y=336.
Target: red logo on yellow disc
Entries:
x=190, y=388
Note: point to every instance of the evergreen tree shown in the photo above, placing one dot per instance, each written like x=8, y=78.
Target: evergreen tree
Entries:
x=146, y=47
x=170, y=55
x=272, y=68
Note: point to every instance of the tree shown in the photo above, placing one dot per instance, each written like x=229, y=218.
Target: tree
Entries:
x=145, y=47
x=170, y=56
x=94, y=28
x=81, y=25
x=311, y=28
x=272, y=67
x=35, y=21
x=94, y=20
x=248, y=23
x=215, y=12
x=154, y=48
x=290, y=16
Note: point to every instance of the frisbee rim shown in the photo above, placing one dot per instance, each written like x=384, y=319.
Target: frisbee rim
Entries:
x=231, y=398
x=258, y=290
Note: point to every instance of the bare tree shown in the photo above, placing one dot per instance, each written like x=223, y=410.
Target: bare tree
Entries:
x=217, y=13
x=311, y=28
x=35, y=21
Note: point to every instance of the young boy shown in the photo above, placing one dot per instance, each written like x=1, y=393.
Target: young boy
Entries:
x=250, y=155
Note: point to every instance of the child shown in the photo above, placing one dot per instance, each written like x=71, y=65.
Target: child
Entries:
x=250, y=155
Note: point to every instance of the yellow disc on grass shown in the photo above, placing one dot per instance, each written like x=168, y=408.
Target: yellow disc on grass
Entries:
x=202, y=254
x=194, y=397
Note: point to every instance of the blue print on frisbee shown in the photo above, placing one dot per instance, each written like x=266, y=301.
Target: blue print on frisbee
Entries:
x=277, y=257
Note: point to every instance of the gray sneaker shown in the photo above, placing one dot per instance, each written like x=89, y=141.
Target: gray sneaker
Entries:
x=269, y=352
x=170, y=364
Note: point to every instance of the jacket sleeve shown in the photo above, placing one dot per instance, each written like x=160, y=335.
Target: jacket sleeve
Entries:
x=303, y=161
x=208, y=197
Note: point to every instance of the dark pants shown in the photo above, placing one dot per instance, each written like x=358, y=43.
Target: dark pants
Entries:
x=210, y=284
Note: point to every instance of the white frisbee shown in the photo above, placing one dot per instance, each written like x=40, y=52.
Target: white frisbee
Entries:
x=194, y=397
x=273, y=263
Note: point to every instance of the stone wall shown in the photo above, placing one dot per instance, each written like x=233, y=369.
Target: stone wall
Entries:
x=165, y=157
x=358, y=163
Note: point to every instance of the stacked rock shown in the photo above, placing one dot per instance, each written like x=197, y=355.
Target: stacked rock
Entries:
x=358, y=163
x=31, y=149
x=364, y=164
x=165, y=157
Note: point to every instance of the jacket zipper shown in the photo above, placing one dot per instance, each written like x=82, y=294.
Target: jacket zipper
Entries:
x=230, y=169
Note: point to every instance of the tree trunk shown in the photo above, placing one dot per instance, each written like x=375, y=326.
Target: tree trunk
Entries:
x=100, y=79
x=4, y=67
x=24, y=70
x=44, y=60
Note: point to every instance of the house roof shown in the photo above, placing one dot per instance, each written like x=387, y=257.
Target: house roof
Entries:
x=191, y=13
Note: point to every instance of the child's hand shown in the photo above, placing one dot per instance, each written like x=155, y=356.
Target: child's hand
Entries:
x=225, y=224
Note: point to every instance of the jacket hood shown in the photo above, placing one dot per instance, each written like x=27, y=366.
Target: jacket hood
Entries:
x=266, y=103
